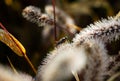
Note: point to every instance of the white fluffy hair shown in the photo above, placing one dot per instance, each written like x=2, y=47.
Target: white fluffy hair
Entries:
x=87, y=51
x=6, y=74
x=105, y=30
x=60, y=63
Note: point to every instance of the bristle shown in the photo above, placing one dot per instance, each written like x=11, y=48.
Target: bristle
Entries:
x=34, y=15
x=97, y=62
x=60, y=63
x=106, y=30
x=63, y=20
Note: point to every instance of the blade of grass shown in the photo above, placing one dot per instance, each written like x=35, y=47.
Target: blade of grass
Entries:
x=15, y=71
x=75, y=75
x=114, y=76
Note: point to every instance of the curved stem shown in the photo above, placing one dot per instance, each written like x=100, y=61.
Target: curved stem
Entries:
x=28, y=60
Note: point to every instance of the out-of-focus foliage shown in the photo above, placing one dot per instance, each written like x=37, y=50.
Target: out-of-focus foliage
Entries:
x=83, y=12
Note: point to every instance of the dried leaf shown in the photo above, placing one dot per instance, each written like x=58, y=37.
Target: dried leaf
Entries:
x=12, y=42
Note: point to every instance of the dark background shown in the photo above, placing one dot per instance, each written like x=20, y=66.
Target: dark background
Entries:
x=83, y=11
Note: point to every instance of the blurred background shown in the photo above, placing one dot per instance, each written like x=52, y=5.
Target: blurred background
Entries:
x=29, y=34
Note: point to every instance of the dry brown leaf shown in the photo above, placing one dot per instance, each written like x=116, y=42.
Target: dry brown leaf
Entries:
x=12, y=42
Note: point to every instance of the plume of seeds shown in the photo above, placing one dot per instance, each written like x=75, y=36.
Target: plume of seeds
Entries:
x=87, y=51
x=34, y=15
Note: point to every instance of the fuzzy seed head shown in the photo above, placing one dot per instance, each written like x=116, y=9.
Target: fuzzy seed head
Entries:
x=61, y=62
x=106, y=30
x=31, y=13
